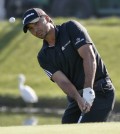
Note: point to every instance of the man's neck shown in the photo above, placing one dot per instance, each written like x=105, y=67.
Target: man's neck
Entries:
x=51, y=37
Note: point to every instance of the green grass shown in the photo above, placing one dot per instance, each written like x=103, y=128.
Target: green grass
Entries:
x=93, y=128
x=18, y=53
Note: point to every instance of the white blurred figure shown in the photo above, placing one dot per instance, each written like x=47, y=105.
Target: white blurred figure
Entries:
x=27, y=93
x=30, y=121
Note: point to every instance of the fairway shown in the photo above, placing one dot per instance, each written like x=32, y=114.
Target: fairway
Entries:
x=91, y=128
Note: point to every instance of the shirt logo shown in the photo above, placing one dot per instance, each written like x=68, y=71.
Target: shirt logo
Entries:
x=63, y=47
x=78, y=40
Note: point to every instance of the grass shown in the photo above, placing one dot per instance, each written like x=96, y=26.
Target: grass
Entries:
x=94, y=128
x=18, y=53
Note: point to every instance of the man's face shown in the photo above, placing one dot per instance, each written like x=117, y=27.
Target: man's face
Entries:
x=39, y=29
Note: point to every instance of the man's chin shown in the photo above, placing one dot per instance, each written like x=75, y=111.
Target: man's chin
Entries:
x=42, y=37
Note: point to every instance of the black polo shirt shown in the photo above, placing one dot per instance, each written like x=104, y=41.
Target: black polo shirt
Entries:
x=64, y=56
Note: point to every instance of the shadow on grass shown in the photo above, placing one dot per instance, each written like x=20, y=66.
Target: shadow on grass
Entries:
x=10, y=35
x=7, y=37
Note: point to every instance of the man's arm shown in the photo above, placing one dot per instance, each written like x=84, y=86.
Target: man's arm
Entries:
x=64, y=83
x=89, y=64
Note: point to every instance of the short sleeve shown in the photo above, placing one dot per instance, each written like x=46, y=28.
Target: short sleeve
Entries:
x=48, y=68
x=78, y=34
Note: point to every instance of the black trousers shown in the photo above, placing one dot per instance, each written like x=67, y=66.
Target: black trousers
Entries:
x=100, y=110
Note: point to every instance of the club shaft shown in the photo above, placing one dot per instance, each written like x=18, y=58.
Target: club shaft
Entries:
x=81, y=116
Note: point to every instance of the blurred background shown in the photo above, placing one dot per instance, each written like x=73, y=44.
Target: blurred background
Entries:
x=64, y=8
x=18, y=52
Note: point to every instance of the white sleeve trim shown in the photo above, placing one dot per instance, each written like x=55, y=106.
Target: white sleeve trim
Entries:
x=49, y=74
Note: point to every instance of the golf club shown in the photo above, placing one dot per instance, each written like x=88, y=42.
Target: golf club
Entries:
x=81, y=116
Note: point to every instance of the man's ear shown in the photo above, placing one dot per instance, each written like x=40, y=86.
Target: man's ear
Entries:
x=44, y=19
x=47, y=18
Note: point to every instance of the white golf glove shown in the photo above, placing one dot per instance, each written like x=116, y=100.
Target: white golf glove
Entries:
x=89, y=95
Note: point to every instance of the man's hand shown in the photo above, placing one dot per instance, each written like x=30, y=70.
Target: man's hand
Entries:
x=89, y=95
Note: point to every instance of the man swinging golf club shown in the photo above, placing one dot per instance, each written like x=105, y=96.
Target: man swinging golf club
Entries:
x=70, y=59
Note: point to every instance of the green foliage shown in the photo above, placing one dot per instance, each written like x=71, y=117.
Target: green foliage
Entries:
x=18, y=52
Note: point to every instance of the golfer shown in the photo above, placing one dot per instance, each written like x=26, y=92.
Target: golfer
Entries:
x=69, y=57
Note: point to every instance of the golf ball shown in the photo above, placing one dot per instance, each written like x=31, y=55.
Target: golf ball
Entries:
x=11, y=19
